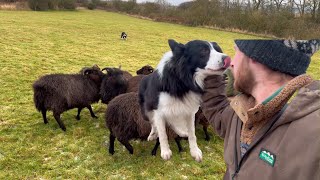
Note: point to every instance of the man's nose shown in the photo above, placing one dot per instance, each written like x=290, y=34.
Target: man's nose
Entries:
x=232, y=64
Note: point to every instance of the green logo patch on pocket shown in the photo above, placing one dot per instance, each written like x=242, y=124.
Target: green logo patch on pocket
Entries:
x=267, y=157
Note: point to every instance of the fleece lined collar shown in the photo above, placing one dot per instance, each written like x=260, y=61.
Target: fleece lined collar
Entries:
x=254, y=117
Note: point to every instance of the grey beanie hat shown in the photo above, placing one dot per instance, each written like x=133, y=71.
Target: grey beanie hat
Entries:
x=287, y=56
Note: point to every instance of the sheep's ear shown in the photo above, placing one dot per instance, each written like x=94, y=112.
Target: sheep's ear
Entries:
x=176, y=48
x=96, y=66
x=87, y=71
x=109, y=70
x=216, y=47
x=120, y=66
x=150, y=68
x=83, y=70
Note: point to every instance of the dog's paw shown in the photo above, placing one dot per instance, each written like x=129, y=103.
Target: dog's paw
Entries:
x=196, y=153
x=166, y=154
x=152, y=136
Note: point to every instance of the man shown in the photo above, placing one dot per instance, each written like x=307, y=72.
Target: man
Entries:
x=269, y=131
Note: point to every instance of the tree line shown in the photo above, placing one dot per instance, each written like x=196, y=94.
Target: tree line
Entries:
x=299, y=19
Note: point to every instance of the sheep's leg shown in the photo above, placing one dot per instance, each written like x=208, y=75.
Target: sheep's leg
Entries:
x=91, y=112
x=111, y=144
x=127, y=145
x=178, y=139
x=44, y=116
x=205, y=129
x=78, y=115
x=156, y=146
x=163, y=138
x=196, y=153
x=57, y=117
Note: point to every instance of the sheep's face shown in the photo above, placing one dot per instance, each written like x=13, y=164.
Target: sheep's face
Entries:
x=113, y=84
x=94, y=73
x=145, y=70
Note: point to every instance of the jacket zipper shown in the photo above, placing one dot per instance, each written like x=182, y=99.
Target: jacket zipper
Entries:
x=238, y=166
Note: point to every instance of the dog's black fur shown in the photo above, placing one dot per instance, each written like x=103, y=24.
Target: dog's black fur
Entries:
x=123, y=36
x=178, y=79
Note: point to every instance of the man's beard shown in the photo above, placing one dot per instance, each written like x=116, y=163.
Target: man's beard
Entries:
x=244, y=80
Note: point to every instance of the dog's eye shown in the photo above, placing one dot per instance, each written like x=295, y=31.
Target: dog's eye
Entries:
x=204, y=51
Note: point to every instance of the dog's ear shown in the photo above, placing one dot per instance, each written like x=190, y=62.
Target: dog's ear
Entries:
x=176, y=48
x=216, y=47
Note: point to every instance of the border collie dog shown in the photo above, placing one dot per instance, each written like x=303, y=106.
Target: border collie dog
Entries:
x=123, y=36
x=172, y=94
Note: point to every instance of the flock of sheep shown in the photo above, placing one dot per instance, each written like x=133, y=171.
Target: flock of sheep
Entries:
x=113, y=86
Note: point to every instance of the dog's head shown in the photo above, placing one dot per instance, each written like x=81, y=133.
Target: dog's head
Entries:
x=195, y=60
x=200, y=55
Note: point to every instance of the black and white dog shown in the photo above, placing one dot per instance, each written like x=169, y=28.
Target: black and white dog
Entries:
x=172, y=94
x=123, y=36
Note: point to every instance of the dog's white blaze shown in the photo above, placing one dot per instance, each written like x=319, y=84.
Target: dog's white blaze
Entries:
x=215, y=61
x=166, y=57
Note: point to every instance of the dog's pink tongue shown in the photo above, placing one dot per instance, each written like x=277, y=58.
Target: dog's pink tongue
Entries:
x=227, y=62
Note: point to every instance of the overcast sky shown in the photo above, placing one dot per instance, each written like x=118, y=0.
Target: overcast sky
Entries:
x=172, y=2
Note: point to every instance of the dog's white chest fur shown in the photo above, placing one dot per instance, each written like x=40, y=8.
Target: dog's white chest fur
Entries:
x=179, y=114
x=172, y=106
x=176, y=112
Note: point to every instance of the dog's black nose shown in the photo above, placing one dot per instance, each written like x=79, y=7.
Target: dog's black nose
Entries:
x=226, y=61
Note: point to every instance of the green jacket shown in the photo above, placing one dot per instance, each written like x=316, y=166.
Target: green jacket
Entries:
x=286, y=140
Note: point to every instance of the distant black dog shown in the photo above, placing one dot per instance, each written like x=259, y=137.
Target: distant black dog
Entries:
x=123, y=36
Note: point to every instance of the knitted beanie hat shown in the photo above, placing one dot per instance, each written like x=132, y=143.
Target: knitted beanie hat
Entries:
x=287, y=56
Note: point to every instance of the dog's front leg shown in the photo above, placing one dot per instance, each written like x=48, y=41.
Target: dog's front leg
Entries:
x=163, y=138
x=153, y=134
x=196, y=153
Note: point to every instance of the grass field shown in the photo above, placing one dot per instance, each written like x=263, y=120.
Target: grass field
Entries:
x=37, y=43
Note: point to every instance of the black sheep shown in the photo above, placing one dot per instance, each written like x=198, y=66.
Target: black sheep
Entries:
x=61, y=92
x=145, y=70
x=134, y=83
x=113, y=84
x=125, y=122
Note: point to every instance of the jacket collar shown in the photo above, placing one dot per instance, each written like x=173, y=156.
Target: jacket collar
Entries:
x=255, y=116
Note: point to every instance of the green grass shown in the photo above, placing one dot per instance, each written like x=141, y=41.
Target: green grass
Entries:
x=37, y=43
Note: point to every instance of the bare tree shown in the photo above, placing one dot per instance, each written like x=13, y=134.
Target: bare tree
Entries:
x=318, y=10
x=278, y=4
x=301, y=6
x=314, y=6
